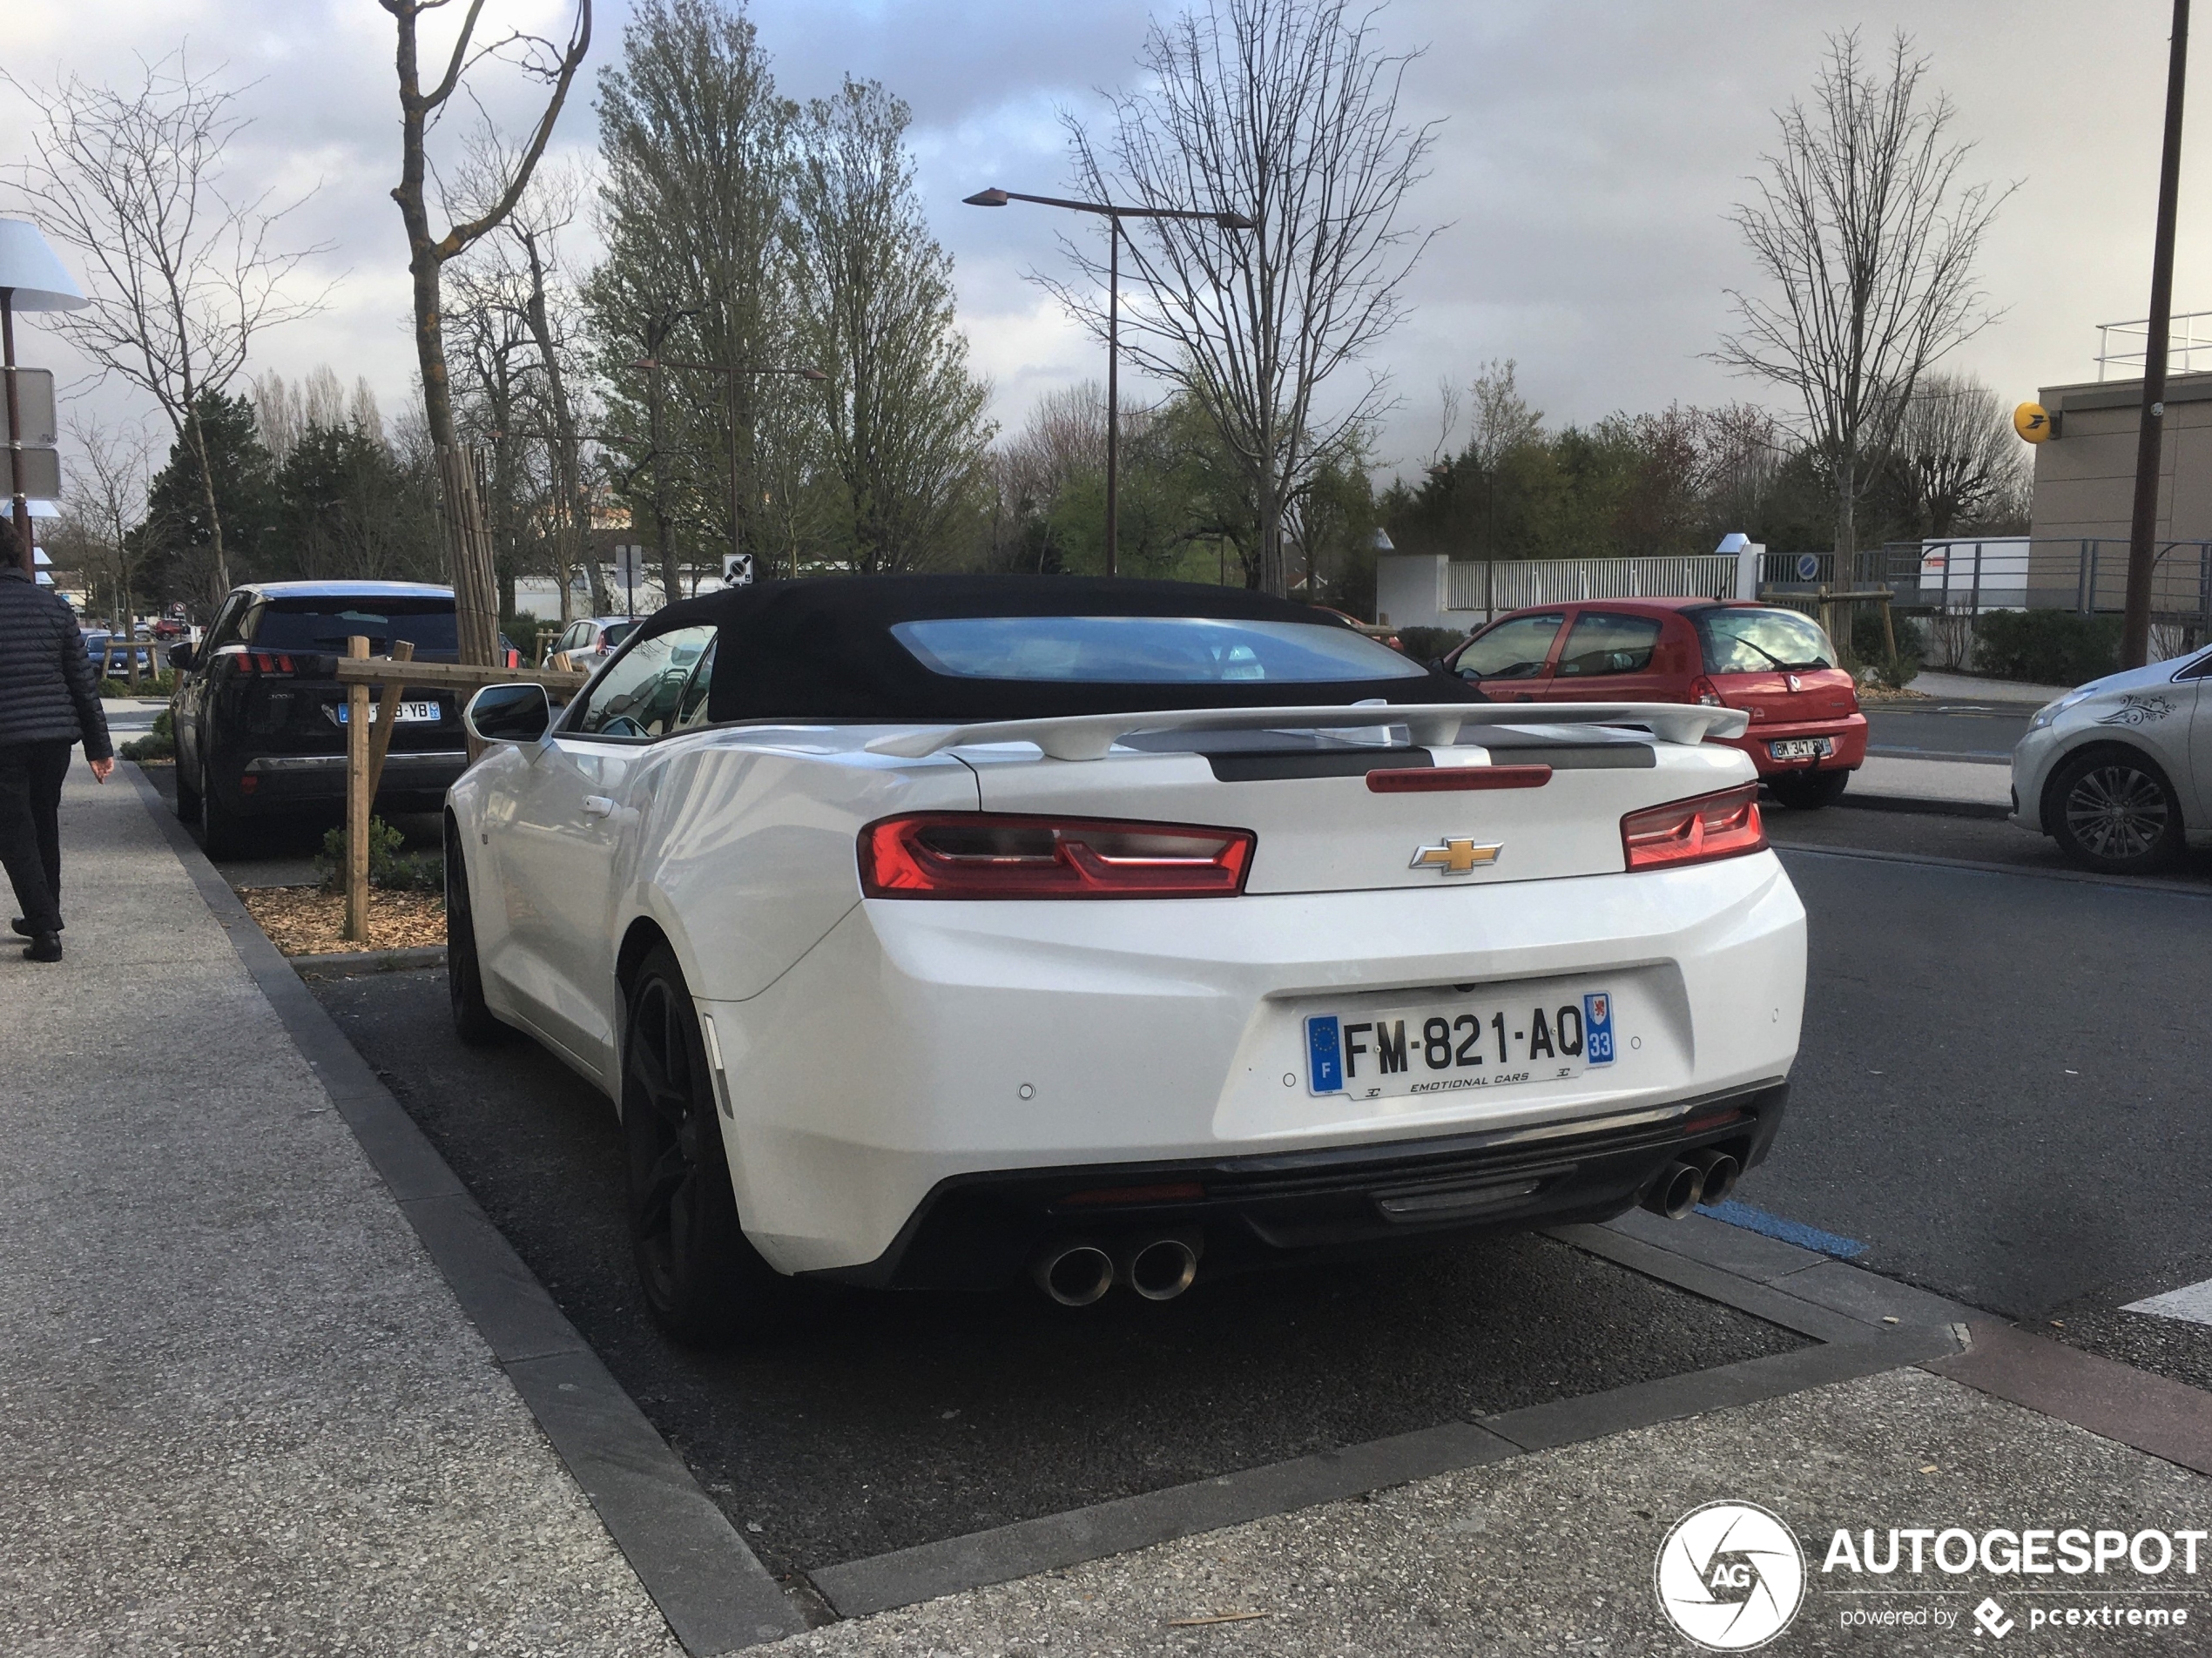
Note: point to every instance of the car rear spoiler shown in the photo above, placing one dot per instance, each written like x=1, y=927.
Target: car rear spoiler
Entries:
x=1087, y=737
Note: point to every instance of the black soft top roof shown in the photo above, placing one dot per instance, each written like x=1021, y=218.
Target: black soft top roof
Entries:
x=822, y=649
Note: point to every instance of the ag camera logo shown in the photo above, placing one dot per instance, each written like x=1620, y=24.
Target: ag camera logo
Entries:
x=1730, y=1576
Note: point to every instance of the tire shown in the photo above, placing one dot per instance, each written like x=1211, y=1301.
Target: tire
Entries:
x=187, y=797
x=473, y=1019
x=1809, y=790
x=2113, y=810
x=223, y=833
x=704, y=1284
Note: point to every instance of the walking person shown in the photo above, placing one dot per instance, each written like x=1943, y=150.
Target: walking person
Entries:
x=49, y=702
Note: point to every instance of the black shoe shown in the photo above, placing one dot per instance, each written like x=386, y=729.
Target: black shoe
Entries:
x=43, y=947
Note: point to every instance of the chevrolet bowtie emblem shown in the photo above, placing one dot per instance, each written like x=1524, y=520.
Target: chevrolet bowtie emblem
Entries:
x=1457, y=856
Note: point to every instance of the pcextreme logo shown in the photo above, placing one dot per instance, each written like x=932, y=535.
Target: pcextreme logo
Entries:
x=1730, y=1576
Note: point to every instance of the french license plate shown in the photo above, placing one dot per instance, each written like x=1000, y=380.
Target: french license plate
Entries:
x=409, y=714
x=1504, y=1039
x=1803, y=748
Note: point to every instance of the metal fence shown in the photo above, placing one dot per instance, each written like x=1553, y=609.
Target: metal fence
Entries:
x=1492, y=585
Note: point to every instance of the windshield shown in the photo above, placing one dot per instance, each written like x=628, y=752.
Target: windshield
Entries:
x=1148, y=650
x=324, y=626
x=1748, y=641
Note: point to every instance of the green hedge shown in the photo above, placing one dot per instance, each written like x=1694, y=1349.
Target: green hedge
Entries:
x=1424, y=645
x=2047, y=647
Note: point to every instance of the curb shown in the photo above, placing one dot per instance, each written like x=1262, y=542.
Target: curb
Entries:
x=347, y=962
x=710, y=1587
x=1919, y=807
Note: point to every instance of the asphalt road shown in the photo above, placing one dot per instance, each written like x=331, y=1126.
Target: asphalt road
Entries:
x=876, y=1421
x=1991, y=842
x=2002, y=1083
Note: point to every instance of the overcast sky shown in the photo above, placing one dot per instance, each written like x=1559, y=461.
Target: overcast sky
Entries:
x=1588, y=156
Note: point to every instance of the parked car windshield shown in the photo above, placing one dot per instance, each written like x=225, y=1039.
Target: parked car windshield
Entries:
x=1747, y=641
x=324, y=625
x=1148, y=650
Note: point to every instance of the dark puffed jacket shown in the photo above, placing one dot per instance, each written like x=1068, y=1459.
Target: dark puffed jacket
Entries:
x=47, y=692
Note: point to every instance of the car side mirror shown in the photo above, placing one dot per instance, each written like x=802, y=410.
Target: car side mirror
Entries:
x=180, y=657
x=509, y=714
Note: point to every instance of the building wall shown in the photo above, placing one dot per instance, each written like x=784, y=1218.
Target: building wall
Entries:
x=2085, y=477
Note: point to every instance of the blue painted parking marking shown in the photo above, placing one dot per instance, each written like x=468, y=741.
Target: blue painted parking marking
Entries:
x=1805, y=1238
x=1324, y=1055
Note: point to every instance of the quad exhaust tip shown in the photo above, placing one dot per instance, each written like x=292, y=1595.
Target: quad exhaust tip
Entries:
x=1718, y=1171
x=1161, y=1269
x=1075, y=1275
x=1078, y=1273
x=1677, y=1192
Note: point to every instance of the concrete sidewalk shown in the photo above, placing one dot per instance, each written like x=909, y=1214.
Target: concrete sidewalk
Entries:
x=238, y=1407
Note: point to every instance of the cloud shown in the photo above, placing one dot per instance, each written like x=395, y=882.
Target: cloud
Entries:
x=1590, y=154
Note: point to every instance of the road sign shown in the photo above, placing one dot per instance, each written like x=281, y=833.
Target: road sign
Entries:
x=2035, y=423
x=35, y=404
x=737, y=569
x=1808, y=567
x=41, y=475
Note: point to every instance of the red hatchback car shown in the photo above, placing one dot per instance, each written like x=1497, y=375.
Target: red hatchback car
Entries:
x=1806, y=737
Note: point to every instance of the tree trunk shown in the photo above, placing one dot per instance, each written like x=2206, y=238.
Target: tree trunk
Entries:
x=1846, y=540
x=475, y=597
x=198, y=438
x=1274, y=578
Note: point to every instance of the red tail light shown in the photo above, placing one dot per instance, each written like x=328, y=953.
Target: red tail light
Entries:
x=261, y=661
x=1703, y=690
x=976, y=854
x=1694, y=831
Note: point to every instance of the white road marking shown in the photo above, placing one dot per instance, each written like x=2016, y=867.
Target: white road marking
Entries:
x=2192, y=1302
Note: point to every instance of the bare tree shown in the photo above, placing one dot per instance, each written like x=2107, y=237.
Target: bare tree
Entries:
x=1870, y=233
x=555, y=65
x=1956, y=458
x=1284, y=112
x=183, y=277
x=105, y=510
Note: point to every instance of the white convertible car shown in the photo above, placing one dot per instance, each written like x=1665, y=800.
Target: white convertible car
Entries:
x=937, y=931
x=2119, y=773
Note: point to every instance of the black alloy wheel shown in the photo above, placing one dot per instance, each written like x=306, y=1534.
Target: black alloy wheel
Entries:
x=223, y=833
x=703, y=1282
x=2114, y=812
x=473, y=1019
x=1808, y=791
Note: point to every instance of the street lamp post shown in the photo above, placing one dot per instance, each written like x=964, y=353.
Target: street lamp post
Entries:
x=729, y=372
x=1113, y=215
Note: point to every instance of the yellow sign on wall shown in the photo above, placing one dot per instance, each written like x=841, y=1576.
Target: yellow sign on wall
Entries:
x=2034, y=422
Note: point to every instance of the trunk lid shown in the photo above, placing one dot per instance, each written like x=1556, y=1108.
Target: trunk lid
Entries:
x=1322, y=827
x=1776, y=697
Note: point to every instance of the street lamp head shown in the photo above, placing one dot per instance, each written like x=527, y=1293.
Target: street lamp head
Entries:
x=1235, y=222
x=811, y=374
x=646, y=362
x=987, y=198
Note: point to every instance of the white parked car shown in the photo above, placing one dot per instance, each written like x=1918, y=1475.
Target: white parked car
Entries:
x=2119, y=773
x=935, y=931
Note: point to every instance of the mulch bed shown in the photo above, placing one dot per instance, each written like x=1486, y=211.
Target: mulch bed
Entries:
x=306, y=920
x=1879, y=694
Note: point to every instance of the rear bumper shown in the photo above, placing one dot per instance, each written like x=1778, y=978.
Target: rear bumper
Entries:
x=299, y=782
x=1848, y=735
x=919, y=1046
x=981, y=1231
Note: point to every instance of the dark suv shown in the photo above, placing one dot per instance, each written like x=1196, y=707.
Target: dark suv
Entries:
x=261, y=716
